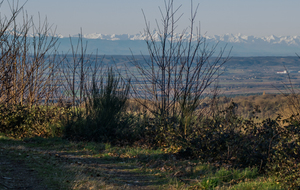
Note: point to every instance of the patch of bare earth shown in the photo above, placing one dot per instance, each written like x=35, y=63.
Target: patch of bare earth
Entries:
x=15, y=175
x=90, y=172
x=111, y=173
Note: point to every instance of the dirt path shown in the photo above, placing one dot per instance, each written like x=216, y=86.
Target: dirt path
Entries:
x=15, y=175
x=115, y=174
x=99, y=173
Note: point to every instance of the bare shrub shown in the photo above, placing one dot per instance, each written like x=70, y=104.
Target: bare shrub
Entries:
x=27, y=74
x=177, y=75
x=27, y=65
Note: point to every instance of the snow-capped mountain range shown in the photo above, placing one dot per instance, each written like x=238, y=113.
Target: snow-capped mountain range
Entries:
x=229, y=38
x=242, y=45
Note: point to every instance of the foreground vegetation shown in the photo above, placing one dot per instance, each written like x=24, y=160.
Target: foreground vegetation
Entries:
x=61, y=164
x=224, y=151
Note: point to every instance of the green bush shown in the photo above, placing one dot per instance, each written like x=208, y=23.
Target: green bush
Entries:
x=228, y=138
x=285, y=162
x=271, y=145
x=103, y=118
x=21, y=121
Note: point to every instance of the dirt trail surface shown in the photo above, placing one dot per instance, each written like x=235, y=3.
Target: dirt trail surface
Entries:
x=17, y=161
x=15, y=175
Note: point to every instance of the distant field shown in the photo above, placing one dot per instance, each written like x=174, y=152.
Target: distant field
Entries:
x=251, y=75
x=240, y=75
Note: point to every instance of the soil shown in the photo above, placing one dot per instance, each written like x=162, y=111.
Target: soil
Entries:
x=15, y=175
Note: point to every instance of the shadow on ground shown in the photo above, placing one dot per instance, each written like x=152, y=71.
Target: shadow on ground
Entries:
x=109, y=170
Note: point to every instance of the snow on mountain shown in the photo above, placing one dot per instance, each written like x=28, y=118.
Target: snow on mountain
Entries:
x=243, y=45
x=228, y=38
x=112, y=36
x=272, y=39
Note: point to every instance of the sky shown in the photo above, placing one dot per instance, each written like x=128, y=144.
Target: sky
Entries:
x=216, y=17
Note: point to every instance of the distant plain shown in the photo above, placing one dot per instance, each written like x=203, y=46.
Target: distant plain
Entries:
x=240, y=75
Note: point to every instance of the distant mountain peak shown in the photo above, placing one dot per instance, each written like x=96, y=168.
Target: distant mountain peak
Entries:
x=228, y=38
x=243, y=45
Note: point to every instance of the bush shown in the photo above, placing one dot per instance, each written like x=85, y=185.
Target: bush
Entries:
x=272, y=145
x=229, y=139
x=285, y=162
x=102, y=118
x=21, y=121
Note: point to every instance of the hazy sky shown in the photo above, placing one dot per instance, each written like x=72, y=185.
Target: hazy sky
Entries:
x=217, y=17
